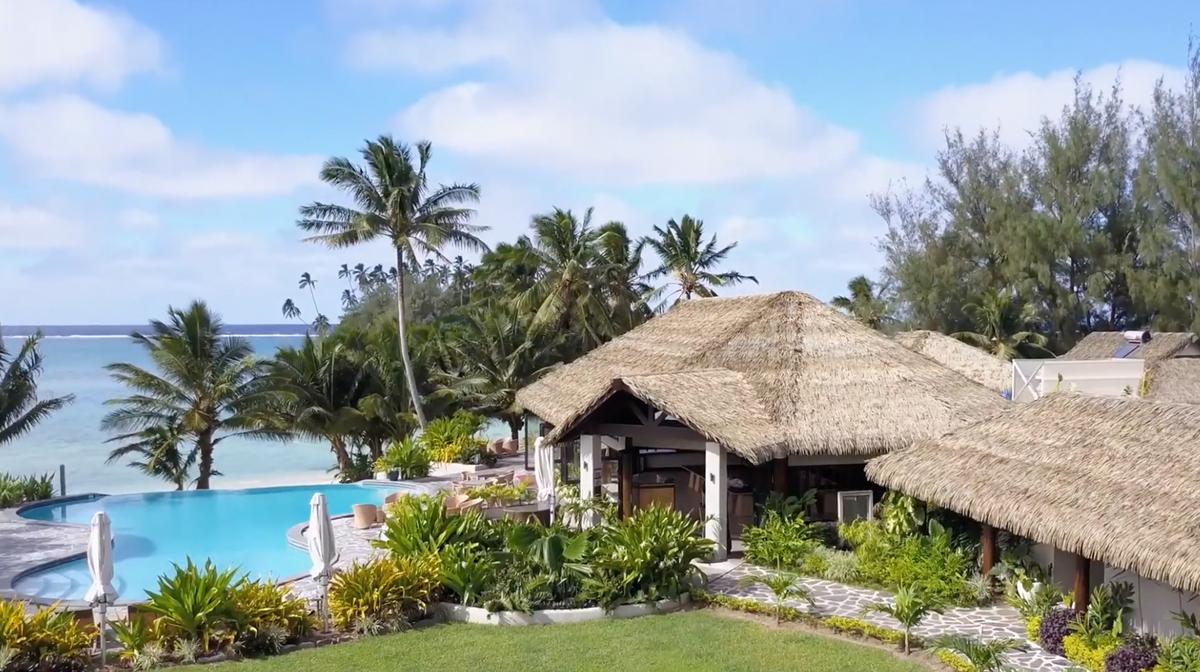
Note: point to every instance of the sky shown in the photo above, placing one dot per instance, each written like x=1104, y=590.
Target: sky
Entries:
x=152, y=153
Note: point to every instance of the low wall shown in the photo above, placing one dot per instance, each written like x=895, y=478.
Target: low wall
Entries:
x=457, y=613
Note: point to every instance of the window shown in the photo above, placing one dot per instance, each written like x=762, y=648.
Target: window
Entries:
x=855, y=505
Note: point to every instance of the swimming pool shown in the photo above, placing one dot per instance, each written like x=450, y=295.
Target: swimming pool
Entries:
x=242, y=528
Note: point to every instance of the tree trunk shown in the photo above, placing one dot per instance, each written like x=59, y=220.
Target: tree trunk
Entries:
x=514, y=428
x=340, y=454
x=204, y=443
x=401, y=322
x=907, y=649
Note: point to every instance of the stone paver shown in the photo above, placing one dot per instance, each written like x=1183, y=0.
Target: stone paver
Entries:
x=835, y=599
x=26, y=544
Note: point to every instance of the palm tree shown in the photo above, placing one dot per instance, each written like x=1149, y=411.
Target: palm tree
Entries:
x=569, y=290
x=629, y=294
x=290, y=310
x=492, y=357
x=983, y=656
x=1000, y=327
x=316, y=389
x=909, y=608
x=206, y=384
x=690, y=262
x=784, y=586
x=866, y=302
x=159, y=451
x=392, y=200
x=20, y=408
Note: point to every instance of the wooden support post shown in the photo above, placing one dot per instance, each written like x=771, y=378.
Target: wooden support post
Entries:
x=628, y=490
x=1082, y=588
x=988, y=542
x=779, y=478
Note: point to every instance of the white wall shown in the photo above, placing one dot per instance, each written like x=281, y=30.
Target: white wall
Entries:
x=1035, y=378
x=1154, y=602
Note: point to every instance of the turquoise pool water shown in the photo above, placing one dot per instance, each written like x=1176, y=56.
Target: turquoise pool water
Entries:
x=242, y=528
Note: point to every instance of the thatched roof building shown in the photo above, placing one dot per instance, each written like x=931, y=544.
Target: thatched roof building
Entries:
x=1172, y=361
x=982, y=367
x=766, y=376
x=1109, y=478
x=1109, y=344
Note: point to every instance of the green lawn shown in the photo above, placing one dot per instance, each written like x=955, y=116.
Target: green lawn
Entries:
x=693, y=642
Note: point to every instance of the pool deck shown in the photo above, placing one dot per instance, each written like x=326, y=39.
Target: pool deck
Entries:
x=27, y=545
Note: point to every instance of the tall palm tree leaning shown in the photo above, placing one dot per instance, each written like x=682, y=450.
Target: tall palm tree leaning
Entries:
x=207, y=387
x=20, y=408
x=393, y=200
x=866, y=302
x=690, y=262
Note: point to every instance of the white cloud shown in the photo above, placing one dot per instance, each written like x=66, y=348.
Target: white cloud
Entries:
x=63, y=42
x=1017, y=103
x=623, y=105
x=137, y=219
x=70, y=138
x=31, y=229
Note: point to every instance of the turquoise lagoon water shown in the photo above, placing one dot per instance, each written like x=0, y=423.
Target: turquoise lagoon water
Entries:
x=235, y=528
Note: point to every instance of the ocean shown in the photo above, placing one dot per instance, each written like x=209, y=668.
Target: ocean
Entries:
x=74, y=358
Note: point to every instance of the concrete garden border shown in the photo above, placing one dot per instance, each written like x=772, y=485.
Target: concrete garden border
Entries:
x=457, y=613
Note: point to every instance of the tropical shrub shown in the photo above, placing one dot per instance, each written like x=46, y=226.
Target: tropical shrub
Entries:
x=1055, y=626
x=1039, y=599
x=48, y=640
x=17, y=490
x=264, y=617
x=556, y=553
x=979, y=656
x=1134, y=654
x=520, y=585
x=384, y=594
x=421, y=525
x=408, y=457
x=1089, y=654
x=192, y=603
x=1104, y=619
x=499, y=494
x=861, y=628
x=1179, y=654
x=455, y=438
x=467, y=571
x=931, y=564
x=1032, y=625
x=901, y=515
x=909, y=607
x=780, y=541
x=133, y=636
x=645, y=557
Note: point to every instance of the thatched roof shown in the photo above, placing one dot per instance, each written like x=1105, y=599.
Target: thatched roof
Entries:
x=1176, y=380
x=1111, y=478
x=982, y=367
x=1104, y=344
x=768, y=375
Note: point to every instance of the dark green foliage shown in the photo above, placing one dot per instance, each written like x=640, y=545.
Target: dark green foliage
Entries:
x=781, y=541
x=20, y=408
x=17, y=490
x=931, y=563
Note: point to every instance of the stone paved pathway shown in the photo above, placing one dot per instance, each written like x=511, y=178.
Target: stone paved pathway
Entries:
x=835, y=599
x=25, y=544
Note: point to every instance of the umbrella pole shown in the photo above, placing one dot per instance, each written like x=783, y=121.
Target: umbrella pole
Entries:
x=103, y=626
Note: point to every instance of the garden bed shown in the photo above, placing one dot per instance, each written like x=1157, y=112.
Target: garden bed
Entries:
x=457, y=613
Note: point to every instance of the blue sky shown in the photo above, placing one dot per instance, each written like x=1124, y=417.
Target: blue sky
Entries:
x=154, y=152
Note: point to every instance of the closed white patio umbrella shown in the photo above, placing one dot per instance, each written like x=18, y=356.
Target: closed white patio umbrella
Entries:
x=543, y=471
x=322, y=549
x=100, y=566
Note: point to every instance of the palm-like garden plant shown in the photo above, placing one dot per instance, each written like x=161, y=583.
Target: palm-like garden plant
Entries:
x=909, y=607
x=316, y=389
x=784, y=586
x=160, y=453
x=690, y=262
x=20, y=408
x=866, y=302
x=1001, y=327
x=491, y=355
x=983, y=656
x=393, y=200
x=207, y=385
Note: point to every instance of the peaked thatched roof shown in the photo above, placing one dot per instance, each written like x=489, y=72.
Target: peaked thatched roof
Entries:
x=1176, y=380
x=768, y=375
x=981, y=367
x=1103, y=345
x=1112, y=478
